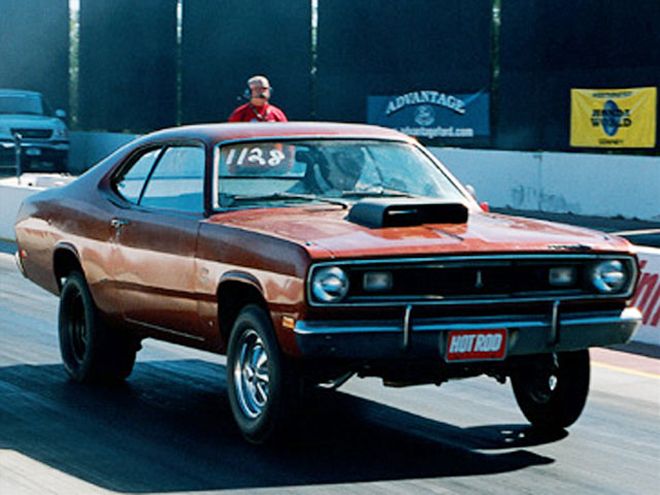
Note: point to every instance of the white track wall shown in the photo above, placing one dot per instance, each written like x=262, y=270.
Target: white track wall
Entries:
x=11, y=196
x=584, y=184
x=647, y=298
x=88, y=148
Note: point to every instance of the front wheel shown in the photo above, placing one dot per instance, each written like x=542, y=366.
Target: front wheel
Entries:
x=552, y=391
x=262, y=384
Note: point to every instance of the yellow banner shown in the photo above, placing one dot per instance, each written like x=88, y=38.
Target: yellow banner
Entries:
x=613, y=118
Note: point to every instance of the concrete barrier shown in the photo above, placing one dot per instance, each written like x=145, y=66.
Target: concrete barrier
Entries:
x=647, y=297
x=12, y=195
x=13, y=192
x=584, y=184
x=88, y=148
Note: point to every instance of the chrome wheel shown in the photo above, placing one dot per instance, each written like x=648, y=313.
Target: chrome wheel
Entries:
x=261, y=382
x=251, y=378
x=545, y=381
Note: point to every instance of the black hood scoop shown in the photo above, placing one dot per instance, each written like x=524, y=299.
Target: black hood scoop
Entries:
x=405, y=212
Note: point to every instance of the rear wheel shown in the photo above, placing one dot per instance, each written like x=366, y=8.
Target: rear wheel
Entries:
x=91, y=351
x=552, y=391
x=263, y=387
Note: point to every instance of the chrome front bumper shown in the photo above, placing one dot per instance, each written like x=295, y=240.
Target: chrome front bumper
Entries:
x=427, y=338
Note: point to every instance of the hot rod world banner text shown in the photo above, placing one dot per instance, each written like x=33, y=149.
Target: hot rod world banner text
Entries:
x=613, y=118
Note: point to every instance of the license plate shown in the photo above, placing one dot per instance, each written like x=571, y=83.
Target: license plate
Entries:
x=32, y=151
x=476, y=345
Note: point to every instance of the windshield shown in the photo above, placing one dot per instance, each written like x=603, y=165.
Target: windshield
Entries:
x=21, y=104
x=318, y=170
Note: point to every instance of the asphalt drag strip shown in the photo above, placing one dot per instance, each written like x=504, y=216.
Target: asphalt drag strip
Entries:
x=169, y=428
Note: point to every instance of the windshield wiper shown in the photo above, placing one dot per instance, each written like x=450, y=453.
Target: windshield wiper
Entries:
x=379, y=192
x=227, y=200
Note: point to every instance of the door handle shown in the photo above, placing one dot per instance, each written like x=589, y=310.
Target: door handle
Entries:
x=117, y=223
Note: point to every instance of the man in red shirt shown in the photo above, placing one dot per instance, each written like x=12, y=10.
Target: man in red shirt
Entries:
x=258, y=109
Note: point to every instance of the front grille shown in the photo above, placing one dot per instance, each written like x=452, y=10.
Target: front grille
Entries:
x=463, y=279
x=486, y=279
x=33, y=133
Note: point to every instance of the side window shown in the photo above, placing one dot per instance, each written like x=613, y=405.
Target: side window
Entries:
x=130, y=184
x=178, y=181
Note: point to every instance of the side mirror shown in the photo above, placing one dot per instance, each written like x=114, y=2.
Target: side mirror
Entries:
x=483, y=204
x=60, y=114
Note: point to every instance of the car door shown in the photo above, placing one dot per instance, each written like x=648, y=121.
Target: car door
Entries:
x=155, y=236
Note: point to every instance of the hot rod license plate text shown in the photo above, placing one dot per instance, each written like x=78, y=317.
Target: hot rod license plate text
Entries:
x=471, y=345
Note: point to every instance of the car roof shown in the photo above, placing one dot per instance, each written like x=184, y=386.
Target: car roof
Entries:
x=258, y=130
x=24, y=92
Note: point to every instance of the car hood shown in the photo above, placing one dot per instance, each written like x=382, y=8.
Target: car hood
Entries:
x=326, y=233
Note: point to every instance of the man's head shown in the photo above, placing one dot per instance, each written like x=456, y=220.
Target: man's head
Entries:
x=345, y=168
x=259, y=90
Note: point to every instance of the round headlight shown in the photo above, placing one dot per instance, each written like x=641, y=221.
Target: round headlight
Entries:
x=60, y=132
x=609, y=276
x=330, y=284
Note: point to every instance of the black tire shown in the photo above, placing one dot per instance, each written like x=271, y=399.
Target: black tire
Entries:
x=91, y=351
x=263, y=387
x=552, y=391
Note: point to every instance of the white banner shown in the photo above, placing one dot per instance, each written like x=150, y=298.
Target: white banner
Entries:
x=647, y=298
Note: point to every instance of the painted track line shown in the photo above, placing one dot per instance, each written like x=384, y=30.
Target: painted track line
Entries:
x=627, y=371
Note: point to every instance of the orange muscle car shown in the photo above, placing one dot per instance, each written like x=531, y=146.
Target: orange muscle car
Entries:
x=312, y=252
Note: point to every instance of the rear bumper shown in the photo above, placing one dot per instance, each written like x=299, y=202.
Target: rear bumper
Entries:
x=427, y=338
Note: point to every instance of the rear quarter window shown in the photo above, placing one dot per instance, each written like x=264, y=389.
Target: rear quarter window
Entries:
x=177, y=183
x=129, y=185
